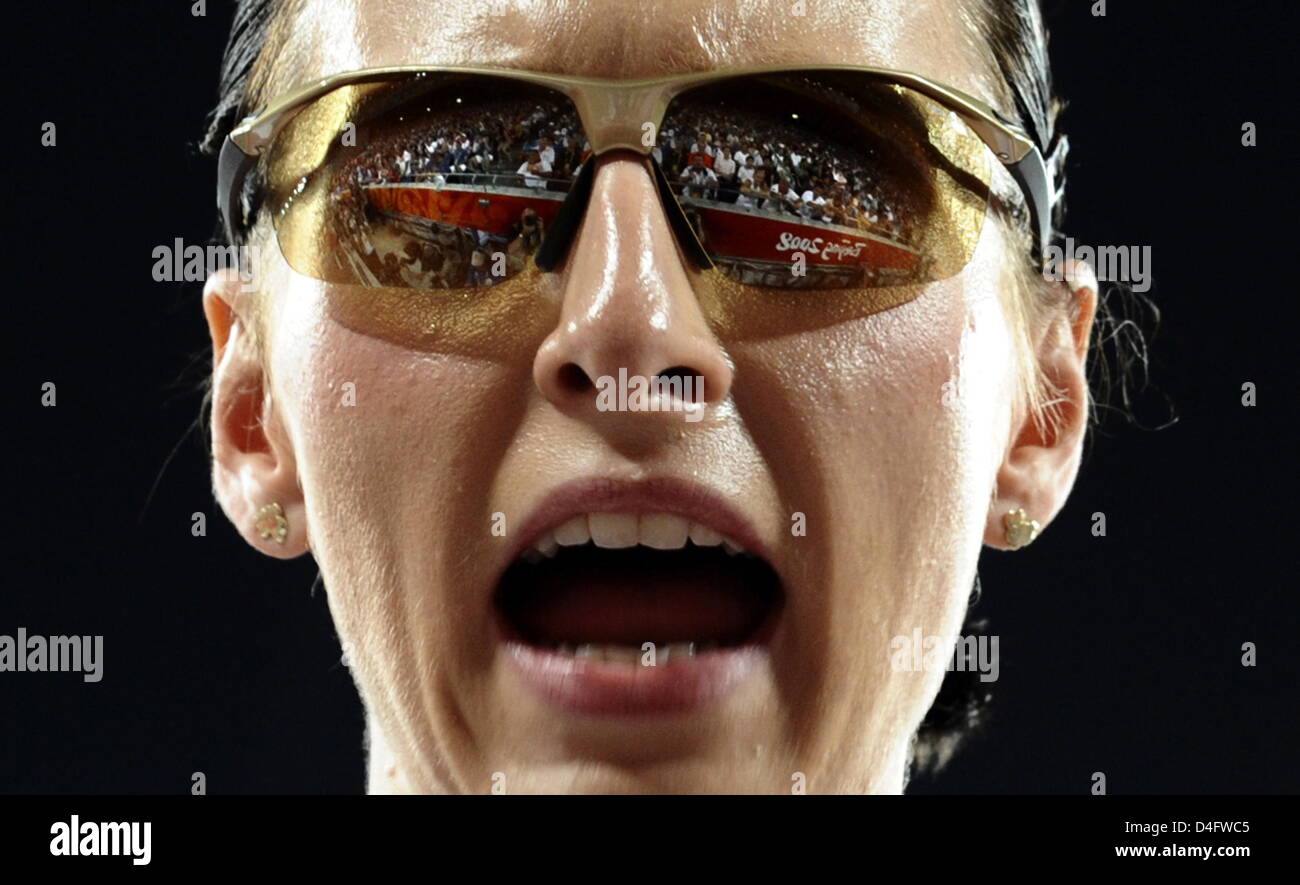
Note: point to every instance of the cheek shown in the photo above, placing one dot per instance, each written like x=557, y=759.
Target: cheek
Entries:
x=903, y=414
x=392, y=448
x=893, y=430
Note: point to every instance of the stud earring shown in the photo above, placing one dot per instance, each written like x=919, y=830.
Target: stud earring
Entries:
x=271, y=523
x=1021, y=530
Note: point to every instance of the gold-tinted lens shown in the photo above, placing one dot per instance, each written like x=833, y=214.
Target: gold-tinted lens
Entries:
x=424, y=181
x=826, y=180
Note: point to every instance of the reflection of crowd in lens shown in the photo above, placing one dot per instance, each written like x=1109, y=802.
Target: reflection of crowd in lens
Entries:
x=769, y=167
x=522, y=144
x=707, y=153
x=508, y=142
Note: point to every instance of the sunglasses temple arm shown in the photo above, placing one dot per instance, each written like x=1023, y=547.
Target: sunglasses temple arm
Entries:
x=1032, y=176
x=232, y=168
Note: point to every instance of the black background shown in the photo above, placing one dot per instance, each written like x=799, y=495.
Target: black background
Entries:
x=1118, y=654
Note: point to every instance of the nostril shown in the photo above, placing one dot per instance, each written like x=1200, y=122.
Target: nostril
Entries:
x=574, y=379
x=692, y=382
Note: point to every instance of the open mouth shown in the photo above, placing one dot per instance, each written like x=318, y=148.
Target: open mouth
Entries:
x=654, y=578
x=627, y=612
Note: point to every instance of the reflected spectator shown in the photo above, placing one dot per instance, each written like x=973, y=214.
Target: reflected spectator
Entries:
x=478, y=269
x=530, y=230
x=534, y=169
x=748, y=197
x=702, y=150
x=701, y=180
x=725, y=169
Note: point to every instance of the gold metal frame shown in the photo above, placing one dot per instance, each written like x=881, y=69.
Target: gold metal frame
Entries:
x=613, y=113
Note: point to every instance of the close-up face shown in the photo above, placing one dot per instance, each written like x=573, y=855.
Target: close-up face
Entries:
x=540, y=588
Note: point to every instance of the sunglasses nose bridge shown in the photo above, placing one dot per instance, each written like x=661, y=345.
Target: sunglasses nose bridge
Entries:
x=621, y=116
x=565, y=227
x=615, y=116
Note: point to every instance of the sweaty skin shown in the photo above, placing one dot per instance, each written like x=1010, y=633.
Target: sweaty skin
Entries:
x=891, y=430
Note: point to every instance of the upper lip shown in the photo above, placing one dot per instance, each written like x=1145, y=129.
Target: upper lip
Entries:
x=664, y=494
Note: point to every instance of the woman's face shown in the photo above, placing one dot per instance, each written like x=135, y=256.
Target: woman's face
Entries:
x=855, y=445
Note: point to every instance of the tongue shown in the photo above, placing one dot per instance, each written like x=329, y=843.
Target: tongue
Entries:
x=627, y=597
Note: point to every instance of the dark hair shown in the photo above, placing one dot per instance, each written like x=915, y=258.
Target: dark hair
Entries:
x=243, y=77
x=248, y=36
x=1017, y=40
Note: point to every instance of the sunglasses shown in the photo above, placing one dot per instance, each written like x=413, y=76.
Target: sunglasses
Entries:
x=815, y=177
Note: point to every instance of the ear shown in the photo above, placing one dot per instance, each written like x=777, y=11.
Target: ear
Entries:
x=1041, y=463
x=253, y=463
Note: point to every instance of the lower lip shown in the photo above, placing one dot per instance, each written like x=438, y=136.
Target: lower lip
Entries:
x=605, y=688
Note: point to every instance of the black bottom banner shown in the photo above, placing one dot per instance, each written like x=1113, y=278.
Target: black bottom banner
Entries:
x=305, y=834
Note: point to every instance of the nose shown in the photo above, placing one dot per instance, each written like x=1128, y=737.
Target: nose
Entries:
x=629, y=310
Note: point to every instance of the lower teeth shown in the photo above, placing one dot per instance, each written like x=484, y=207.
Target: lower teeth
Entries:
x=632, y=654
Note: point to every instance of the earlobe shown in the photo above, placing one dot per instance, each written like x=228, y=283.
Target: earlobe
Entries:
x=1042, y=461
x=254, y=470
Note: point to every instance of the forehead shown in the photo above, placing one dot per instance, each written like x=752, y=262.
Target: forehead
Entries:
x=626, y=38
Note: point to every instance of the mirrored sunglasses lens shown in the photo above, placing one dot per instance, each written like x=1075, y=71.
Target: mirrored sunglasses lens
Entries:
x=826, y=180
x=428, y=181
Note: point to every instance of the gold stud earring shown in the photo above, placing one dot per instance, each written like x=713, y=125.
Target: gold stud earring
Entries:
x=271, y=523
x=1021, y=530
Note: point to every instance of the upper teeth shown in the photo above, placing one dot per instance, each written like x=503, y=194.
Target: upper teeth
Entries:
x=615, y=531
